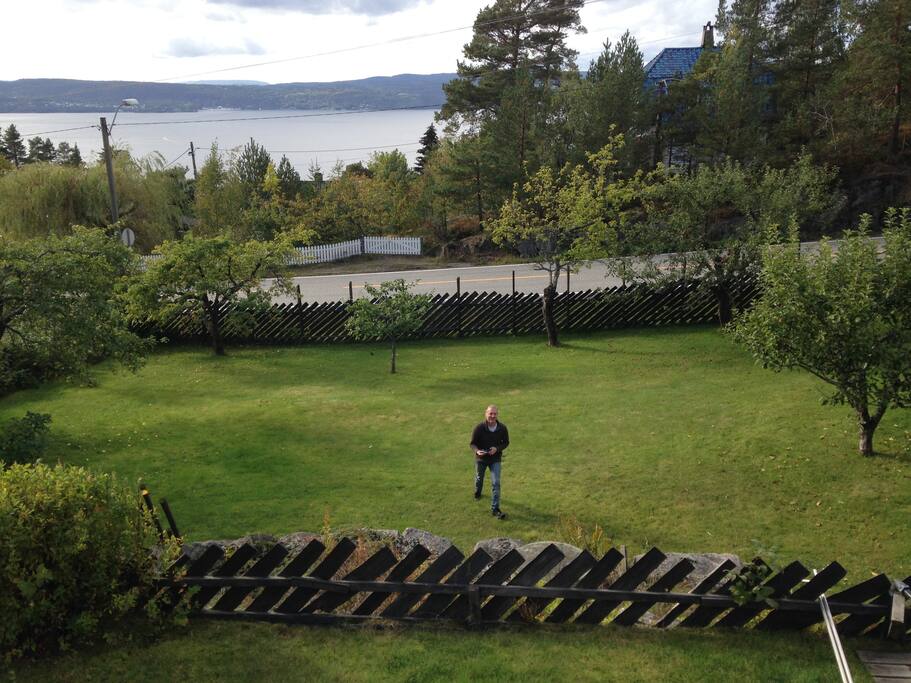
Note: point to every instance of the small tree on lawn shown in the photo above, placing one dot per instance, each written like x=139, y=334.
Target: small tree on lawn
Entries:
x=203, y=275
x=844, y=316
x=567, y=217
x=390, y=314
x=60, y=308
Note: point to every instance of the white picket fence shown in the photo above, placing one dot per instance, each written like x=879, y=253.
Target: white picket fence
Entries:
x=324, y=253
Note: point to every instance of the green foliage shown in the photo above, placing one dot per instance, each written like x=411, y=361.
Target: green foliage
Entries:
x=712, y=222
x=609, y=99
x=390, y=313
x=201, y=275
x=872, y=119
x=12, y=146
x=219, y=198
x=251, y=166
x=509, y=36
x=76, y=553
x=59, y=306
x=24, y=439
x=289, y=180
x=843, y=315
x=364, y=200
x=48, y=199
x=748, y=584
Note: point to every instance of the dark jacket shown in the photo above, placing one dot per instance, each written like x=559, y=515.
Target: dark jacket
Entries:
x=483, y=439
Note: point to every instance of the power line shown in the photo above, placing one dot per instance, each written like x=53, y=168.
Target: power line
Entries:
x=400, y=39
x=176, y=159
x=59, y=130
x=343, y=149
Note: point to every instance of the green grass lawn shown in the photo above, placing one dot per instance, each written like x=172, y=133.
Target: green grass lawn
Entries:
x=266, y=652
x=666, y=437
x=670, y=438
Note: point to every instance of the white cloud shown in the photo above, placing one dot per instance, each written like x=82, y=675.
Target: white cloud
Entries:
x=190, y=47
x=161, y=39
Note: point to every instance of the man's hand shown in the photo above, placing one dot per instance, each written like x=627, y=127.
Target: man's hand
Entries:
x=492, y=451
x=480, y=453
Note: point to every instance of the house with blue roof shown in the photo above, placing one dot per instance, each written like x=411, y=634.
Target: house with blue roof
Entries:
x=674, y=63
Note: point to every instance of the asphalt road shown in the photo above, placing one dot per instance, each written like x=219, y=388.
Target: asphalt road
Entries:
x=322, y=288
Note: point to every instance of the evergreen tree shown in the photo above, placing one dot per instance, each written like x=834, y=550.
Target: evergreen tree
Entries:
x=611, y=94
x=429, y=142
x=251, y=166
x=63, y=152
x=807, y=45
x=40, y=150
x=876, y=77
x=218, y=198
x=509, y=36
x=13, y=147
x=289, y=180
x=75, y=158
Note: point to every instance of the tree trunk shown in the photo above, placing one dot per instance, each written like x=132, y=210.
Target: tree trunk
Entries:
x=723, y=297
x=548, y=309
x=866, y=439
x=214, y=330
x=392, y=367
x=867, y=427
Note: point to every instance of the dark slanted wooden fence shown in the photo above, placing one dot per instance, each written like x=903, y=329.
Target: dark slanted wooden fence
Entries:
x=320, y=585
x=473, y=313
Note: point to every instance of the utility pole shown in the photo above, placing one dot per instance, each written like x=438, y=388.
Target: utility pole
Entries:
x=109, y=164
x=193, y=157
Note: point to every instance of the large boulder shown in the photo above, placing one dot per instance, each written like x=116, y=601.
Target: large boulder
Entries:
x=411, y=537
x=498, y=547
x=704, y=564
x=262, y=543
x=531, y=550
x=299, y=539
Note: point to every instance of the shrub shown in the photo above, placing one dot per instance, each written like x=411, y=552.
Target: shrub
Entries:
x=24, y=439
x=76, y=552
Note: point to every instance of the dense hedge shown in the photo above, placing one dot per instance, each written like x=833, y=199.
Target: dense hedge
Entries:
x=76, y=552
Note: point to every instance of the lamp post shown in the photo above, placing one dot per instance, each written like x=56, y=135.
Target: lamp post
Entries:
x=108, y=160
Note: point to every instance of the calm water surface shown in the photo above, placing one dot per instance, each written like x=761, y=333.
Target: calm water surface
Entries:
x=305, y=137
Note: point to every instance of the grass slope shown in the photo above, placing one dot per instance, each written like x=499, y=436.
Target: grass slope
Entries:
x=670, y=438
x=665, y=437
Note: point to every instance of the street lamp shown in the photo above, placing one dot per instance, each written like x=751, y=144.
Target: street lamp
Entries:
x=108, y=161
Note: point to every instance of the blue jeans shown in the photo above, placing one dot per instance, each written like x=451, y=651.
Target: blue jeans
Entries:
x=480, y=466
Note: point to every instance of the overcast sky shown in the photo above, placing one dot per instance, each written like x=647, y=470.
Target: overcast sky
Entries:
x=183, y=40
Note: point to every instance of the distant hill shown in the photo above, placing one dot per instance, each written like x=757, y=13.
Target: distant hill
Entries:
x=379, y=92
x=226, y=83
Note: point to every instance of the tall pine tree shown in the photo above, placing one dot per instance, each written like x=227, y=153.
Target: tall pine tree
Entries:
x=429, y=142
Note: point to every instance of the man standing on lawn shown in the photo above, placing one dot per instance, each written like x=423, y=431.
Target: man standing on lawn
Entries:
x=488, y=441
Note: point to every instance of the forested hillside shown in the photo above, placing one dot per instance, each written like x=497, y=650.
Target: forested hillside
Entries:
x=60, y=95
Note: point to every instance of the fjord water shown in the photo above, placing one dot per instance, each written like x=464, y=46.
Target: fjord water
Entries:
x=305, y=137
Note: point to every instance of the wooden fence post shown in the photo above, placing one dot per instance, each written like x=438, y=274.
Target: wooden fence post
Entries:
x=474, y=605
x=569, y=304
x=513, y=303
x=459, y=306
x=350, y=291
x=300, y=314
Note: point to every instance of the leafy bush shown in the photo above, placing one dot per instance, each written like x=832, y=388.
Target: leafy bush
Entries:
x=24, y=439
x=76, y=552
